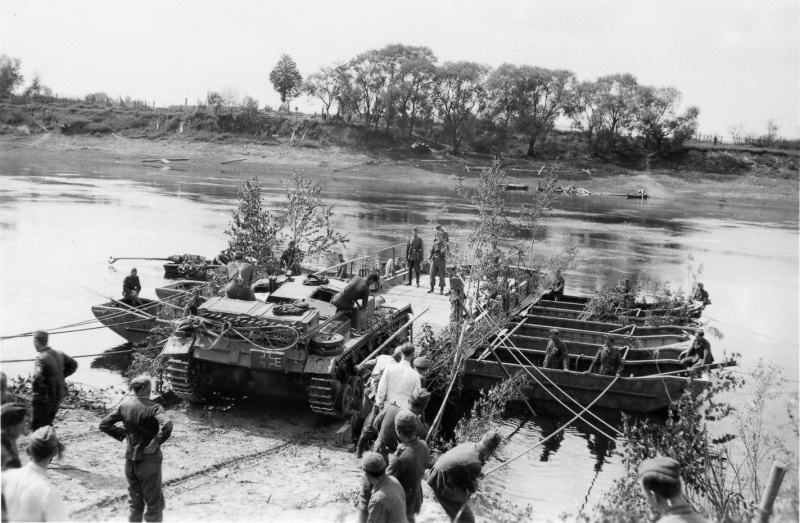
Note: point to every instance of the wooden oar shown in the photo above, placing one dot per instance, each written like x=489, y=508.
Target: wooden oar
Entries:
x=112, y=260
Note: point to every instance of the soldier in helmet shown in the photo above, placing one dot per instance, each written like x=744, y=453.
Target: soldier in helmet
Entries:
x=556, y=354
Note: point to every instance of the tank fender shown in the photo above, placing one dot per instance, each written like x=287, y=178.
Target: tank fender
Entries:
x=177, y=345
x=319, y=364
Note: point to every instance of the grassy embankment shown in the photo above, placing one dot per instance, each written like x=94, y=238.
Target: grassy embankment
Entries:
x=203, y=125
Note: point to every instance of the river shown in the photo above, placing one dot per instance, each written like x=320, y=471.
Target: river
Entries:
x=61, y=221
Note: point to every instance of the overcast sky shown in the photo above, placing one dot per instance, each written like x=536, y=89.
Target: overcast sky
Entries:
x=738, y=60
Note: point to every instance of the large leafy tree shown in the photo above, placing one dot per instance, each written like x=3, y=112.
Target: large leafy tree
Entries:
x=286, y=78
x=543, y=94
x=413, y=86
x=618, y=109
x=503, y=100
x=658, y=123
x=585, y=110
x=326, y=85
x=458, y=96
x=10, y=77
x=368, y=81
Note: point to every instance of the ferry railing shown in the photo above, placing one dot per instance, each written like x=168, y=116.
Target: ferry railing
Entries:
x=370, y=262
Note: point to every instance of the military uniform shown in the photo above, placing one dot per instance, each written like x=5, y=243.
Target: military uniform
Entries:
x=556, y=355
x=131, y=287
x=438, y=263
x=454, y=478
x=607, y=361
x=699, y=353
x=356, y=289
x=143, y=420
x=387, y=435
x=49, y=387
x=408, y=466
x=414, y=249
x=240, y=278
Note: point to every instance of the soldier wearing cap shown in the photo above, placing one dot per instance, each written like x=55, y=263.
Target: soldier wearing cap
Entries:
x=387, y=501
x=608, y=360
x=422, y=365
x=660, y=480
x=27, y=492
x=408, y=464
x=414, y=249
x=455, y=474
x=13, y=419
x=556, y=354
x=240, y=279
x=385, y=422
x=291, y=258
x=146, y=427
x=369, y=409
x=701, y=294
x=699, y=354
x=49, y=388
x=131, y=287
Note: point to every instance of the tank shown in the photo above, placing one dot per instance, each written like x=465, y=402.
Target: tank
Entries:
x=292, y=344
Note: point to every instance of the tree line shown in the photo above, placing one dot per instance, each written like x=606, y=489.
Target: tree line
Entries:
x=404, y=89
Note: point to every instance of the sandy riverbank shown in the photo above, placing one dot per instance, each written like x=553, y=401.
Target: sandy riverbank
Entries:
x=437, y=169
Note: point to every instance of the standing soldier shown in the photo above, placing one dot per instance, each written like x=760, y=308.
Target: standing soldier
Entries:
x=291, y=258
x=240, y=278
x=414, y=249
x=608, y=360
x=558, y=286
x=131, y=287
x=49, y=388
x=438, y=261
x=556, y=354
x=146, y=427
x=454, y=477
x=398, y=382
x=422, y=365
x=387, y=502
x=410, y=462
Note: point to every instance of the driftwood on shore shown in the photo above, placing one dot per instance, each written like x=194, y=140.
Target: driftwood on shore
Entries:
x=234, y=161
x=164, y=160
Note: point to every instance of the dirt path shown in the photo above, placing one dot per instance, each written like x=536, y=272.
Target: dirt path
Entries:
x=230, y=461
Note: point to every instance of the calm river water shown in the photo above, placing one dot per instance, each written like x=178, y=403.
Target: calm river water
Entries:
x=59, y=224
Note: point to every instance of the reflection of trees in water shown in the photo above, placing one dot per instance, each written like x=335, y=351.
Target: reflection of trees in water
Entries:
x=116, y=359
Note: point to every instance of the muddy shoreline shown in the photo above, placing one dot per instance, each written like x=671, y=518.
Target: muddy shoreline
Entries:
x=436, y=169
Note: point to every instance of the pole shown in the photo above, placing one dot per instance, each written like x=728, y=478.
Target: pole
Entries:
x=393, y=336
x=771, y=491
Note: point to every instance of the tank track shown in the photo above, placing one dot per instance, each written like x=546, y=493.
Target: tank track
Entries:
x=323, y=391
x=183, y=381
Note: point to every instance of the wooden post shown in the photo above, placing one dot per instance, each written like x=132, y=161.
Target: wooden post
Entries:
x=771, y=491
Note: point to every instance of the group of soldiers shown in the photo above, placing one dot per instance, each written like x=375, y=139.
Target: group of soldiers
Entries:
x=608, y=359
x=27, y=492
x=394, y=402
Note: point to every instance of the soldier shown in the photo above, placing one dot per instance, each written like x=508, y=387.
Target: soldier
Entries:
x=356, y=289
x=700, y=294
x=14, y=417
x=660, y=480
x=131, y=287
x=387, y=501
x=422, y=365
x=414, y=249
x=341, y=270
x=146, y=427
x=699, y=354
x=368, y=406
x=438, y=261
x=240, y=279
x=458, y=301
x=384, y=423
x=194, y=301
x=608, y=360
x=28, y=493
x=455, y=474
x=558, y=286
x=398, y=381
x=409, y=463
x=291, y=258
x=49, y=388
x=556, y=353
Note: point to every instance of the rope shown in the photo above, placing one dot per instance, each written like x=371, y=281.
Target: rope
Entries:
x=751, y=332
x=542, y=441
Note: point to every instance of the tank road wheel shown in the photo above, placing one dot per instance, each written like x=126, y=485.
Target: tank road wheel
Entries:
x=351, y=396
x=182, y=374
x=327, y=344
